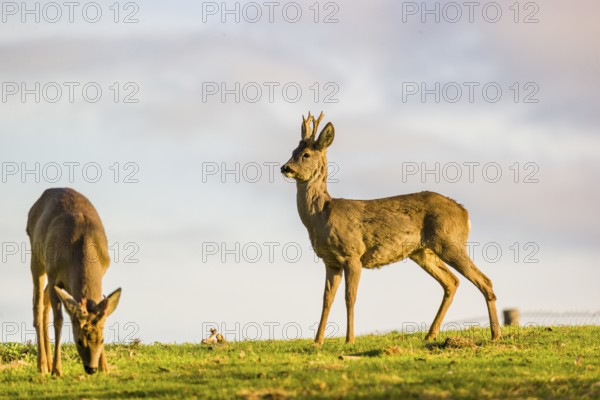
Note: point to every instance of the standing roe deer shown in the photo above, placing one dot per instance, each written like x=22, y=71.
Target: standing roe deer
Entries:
x=349, y=235
x=69, y=247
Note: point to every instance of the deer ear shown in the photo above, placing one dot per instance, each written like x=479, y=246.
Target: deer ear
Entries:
x=109, y=304
x=325, y=137
x=68, y=301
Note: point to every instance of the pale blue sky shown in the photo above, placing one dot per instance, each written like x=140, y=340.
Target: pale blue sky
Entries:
x=175, y=213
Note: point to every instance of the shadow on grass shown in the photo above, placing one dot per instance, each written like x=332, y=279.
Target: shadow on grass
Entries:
x=368, y=353
x=99, y=393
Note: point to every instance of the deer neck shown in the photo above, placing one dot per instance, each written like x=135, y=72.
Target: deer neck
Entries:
x=312, y=196
x=88, y=284
x=86, y=278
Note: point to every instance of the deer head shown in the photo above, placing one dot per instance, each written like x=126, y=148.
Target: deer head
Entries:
x=88, y=320
x=309, y=159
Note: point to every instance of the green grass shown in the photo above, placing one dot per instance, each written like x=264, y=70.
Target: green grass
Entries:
x=558, y=362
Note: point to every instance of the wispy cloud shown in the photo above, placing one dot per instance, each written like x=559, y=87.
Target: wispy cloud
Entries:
x=175, y=130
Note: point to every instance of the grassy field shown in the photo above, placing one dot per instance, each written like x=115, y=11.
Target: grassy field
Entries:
x=558, y=362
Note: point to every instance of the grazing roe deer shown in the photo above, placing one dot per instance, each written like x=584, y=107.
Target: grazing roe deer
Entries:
x=70, y=249
x=349, y=235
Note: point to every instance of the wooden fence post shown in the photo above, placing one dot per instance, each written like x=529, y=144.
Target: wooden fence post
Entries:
x=511, y=316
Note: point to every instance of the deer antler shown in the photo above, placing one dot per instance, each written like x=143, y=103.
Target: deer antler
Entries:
x=316, y=125
x=306, y=129
x=309, y=133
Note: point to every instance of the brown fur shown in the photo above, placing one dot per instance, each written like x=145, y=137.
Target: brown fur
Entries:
x=69, y=248
x=349, y=235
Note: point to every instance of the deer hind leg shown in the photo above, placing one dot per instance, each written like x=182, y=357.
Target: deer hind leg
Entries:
x=462, y=263
x=46, y=328
x=332, y=281
x=39, y=279
x=429, y=261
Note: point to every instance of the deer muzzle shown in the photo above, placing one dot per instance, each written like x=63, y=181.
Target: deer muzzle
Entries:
x=286, y=170
x=90, y=370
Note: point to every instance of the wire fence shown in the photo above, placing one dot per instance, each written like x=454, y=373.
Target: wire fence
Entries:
x=544, y=318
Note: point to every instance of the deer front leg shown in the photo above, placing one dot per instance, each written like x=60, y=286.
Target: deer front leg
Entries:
x=332, y=281
x=352, y=274
x=39, y=280
x=103, y=363
x=58, y=323
x=46, y=328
